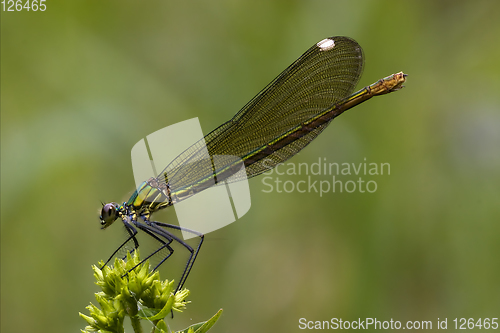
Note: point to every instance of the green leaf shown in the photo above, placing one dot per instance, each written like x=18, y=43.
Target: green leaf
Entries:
x=203, y=326
x=193, y=327
x=163, y=313
x=162, y=327
x=145, y=312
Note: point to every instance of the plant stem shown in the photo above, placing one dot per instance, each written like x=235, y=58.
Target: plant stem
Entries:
x=136, y=324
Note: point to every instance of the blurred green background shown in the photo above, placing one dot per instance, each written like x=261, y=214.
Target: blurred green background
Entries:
x=83, y=81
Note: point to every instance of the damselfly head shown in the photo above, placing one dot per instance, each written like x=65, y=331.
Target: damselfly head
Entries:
x=109, y=213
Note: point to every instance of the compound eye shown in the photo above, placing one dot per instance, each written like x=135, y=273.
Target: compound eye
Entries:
x=108, y=214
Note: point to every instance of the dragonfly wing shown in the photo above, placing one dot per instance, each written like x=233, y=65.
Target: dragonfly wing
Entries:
x=321, y=77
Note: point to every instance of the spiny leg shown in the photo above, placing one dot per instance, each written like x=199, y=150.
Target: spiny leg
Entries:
x=153, y=232
x=194, y=253
x=132, y=232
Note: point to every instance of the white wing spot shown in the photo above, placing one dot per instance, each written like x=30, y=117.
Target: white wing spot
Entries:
x=326, y=44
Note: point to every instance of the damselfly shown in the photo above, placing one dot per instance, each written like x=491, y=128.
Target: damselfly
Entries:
x=274, y=126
